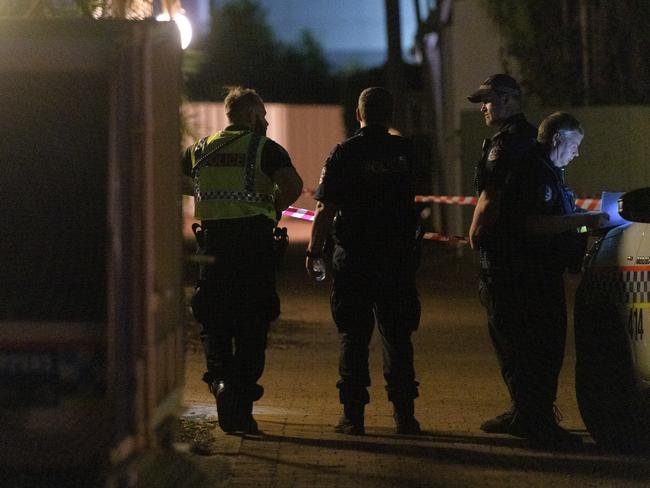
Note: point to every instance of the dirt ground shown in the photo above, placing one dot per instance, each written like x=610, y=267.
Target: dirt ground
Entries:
x=460, y=387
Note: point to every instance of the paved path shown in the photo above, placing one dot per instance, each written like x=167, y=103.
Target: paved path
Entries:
x=460, y=387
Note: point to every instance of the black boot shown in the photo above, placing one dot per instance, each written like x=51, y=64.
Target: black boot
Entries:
x=404, y=415
x=544, y=430
x=351, y=423
x=247, y=424
x=501, y=424
x=228, y=406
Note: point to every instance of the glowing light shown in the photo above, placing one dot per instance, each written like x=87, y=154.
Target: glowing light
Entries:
x=183, y=24
x=609, y=204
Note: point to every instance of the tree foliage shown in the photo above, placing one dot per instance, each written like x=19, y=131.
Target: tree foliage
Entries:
x=134, y=9
x=573, y=52
x=242, y=49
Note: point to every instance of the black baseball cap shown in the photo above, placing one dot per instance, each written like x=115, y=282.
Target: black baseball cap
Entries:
x=500, y=83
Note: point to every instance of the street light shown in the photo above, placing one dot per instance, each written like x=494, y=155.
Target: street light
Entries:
x=183, y=24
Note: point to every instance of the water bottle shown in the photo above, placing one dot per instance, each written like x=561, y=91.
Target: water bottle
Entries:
x=319, y=268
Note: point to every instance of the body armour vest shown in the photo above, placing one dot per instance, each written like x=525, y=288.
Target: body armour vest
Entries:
x=228, y=179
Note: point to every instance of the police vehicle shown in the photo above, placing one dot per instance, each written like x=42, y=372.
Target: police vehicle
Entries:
x=612, y=330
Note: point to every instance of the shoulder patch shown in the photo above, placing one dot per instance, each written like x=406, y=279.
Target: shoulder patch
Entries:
x=495, y=152
x=547, y=193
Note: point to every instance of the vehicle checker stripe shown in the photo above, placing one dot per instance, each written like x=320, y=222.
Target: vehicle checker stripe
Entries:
x=629, y=284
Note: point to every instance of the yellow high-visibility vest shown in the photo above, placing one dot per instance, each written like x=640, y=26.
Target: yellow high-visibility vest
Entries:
x=228, y=178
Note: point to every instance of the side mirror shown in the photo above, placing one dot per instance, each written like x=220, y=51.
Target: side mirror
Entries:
x=635, y=205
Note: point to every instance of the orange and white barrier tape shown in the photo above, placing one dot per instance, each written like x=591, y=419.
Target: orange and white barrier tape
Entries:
x=584, y=203
x=446, y=199
x=588, y=203
x=299, y=213
x=305, y=214
x=433, y=236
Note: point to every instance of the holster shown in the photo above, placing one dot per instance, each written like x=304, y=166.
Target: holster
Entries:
x=199, y=234
x=280, y=241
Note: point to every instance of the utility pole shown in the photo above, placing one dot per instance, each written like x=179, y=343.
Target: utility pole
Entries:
x=584, y=43
x=395, y=81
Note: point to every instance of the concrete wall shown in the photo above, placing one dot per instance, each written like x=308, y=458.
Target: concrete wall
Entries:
x=472, y=50
x=613, y=153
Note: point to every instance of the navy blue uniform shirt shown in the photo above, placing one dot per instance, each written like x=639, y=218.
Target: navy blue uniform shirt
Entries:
x=505, y=157
x=369, y=178
x=544, y=192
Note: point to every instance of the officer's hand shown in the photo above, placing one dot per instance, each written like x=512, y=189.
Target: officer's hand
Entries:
x=596, y=219
x=473, y=237
x=309, y=266
x=316, y=268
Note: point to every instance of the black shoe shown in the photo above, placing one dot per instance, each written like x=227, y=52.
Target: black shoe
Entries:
x=229, y=417
x=350, y=427
x=351, y=422
x=248, y=425
x=501, y=424
x=550, y=434
x=407, y=426
x=510, y=423
x=404, y=415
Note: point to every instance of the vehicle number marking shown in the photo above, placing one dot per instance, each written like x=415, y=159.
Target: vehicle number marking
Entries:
x=635, y=324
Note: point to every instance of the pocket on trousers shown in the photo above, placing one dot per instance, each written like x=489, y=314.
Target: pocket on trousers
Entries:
x=486, y=296
x=202, y=305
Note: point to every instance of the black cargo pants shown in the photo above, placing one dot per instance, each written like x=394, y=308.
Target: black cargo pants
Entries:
x=235, y=301
x=526, y=310
x=366, y=291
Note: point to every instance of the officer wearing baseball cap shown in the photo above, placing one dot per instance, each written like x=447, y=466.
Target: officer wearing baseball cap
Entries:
x=499, y=83
x=497, y=232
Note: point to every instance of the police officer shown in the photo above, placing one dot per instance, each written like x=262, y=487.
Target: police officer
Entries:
x=521, y=282
x=242, y=180
x=553, y=245
x=366, y=184
x=497, y=224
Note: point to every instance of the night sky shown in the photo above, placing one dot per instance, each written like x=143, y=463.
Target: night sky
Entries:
x=349, y=31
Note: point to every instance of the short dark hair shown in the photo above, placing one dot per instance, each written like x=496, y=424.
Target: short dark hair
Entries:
x=239, y=100
x=376, y=105
x=554, y=123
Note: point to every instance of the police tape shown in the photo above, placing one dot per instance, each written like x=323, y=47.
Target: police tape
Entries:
x=583, y=203
x=304, y=214
x=588, y=203
x=299, y=213
x=450, y=200
x=433, y=236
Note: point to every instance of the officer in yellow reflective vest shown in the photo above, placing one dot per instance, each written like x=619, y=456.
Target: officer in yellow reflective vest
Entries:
x=241, y=182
